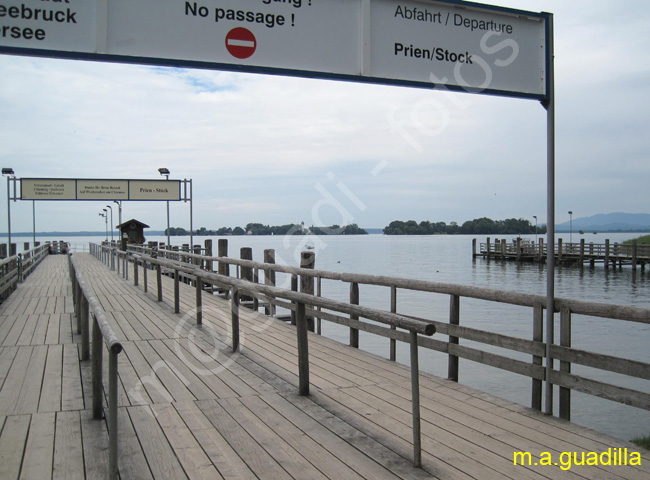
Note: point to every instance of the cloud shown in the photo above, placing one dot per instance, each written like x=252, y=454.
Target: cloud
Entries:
x=258, y=146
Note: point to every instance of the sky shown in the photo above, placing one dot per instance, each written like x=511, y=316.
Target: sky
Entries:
x=279, y=150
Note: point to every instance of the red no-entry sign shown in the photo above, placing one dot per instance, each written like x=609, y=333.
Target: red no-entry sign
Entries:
x=241, y=43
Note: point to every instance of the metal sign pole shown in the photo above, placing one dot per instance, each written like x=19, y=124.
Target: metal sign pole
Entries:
x=8, y=218
x=550, y=215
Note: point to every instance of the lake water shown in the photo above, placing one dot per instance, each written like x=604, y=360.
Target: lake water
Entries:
x=449, y=259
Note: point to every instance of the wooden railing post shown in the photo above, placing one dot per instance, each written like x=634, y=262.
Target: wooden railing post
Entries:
x=607, y=254
x=246, y=253
x=565, y=341
x=415, y=401
x=177, y=297
x=234, y=317
x=269, y=277
x=538, y=336
x=308, y=260
x=454, y=319
x=112, y=415
x=199, y=301
x=159, y=282
x=144, y=276
x=294, y=288
x=354, y=300
x=97, y=369
x=135, y=271
x=303, y=349
x=85, y=329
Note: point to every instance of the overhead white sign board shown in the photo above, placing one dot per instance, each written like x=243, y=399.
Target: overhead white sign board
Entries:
x=101, y=190
x=462, y=45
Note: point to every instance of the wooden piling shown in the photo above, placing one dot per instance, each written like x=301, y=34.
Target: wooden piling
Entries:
x=222, y=251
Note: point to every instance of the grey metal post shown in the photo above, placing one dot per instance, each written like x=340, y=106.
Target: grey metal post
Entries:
x=550, y=215
x=191, y=213
x=8, y=218
x=415, y=401
x=393, y=309
x=34, y=220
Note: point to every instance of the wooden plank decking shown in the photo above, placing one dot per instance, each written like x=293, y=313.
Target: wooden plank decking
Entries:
x=191, y=409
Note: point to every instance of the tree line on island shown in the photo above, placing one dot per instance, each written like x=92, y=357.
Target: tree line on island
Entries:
x=478, y=226
x=260, y=229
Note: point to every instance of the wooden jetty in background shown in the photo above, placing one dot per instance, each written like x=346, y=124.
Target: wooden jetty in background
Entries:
x=197, y=387
x=522, y=250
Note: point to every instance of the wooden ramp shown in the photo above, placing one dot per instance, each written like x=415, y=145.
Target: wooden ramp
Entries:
x=192, y=409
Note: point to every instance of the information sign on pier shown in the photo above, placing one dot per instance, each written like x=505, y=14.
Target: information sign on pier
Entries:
x=462, y=45
x=101, y=190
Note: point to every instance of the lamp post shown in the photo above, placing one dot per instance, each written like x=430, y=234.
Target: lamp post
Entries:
x=111, y=222
x=9, y=173
x=119, y=210
x=105, y=215
x=570, y=226
x=165, y=172
x=535, y=217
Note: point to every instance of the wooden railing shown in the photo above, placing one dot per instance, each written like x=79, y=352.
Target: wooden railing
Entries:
x=534, y=345
x=15, y=269
x=303, y=305
x=88, y=308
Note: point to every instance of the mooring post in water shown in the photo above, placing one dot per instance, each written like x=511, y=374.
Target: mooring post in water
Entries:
x=208, y=253
x=222, y=252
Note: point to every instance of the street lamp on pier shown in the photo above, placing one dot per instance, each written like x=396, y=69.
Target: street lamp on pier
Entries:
x=105, y=215
x=111, y=222
x=570, y=226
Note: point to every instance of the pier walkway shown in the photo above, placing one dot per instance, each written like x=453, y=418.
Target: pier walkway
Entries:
x=190, y=408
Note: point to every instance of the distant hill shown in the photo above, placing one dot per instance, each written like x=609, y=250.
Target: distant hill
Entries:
x=609, y=222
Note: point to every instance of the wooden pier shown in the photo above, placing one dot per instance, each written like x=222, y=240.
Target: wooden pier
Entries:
x=522, y=250
x=190, y=407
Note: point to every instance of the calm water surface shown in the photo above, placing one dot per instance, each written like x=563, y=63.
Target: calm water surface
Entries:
x=448, y=259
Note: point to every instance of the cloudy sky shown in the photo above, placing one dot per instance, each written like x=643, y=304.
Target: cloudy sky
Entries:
x=279, y=150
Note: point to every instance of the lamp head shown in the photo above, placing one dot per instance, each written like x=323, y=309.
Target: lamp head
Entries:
x=164, y=171
x=8, y=171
